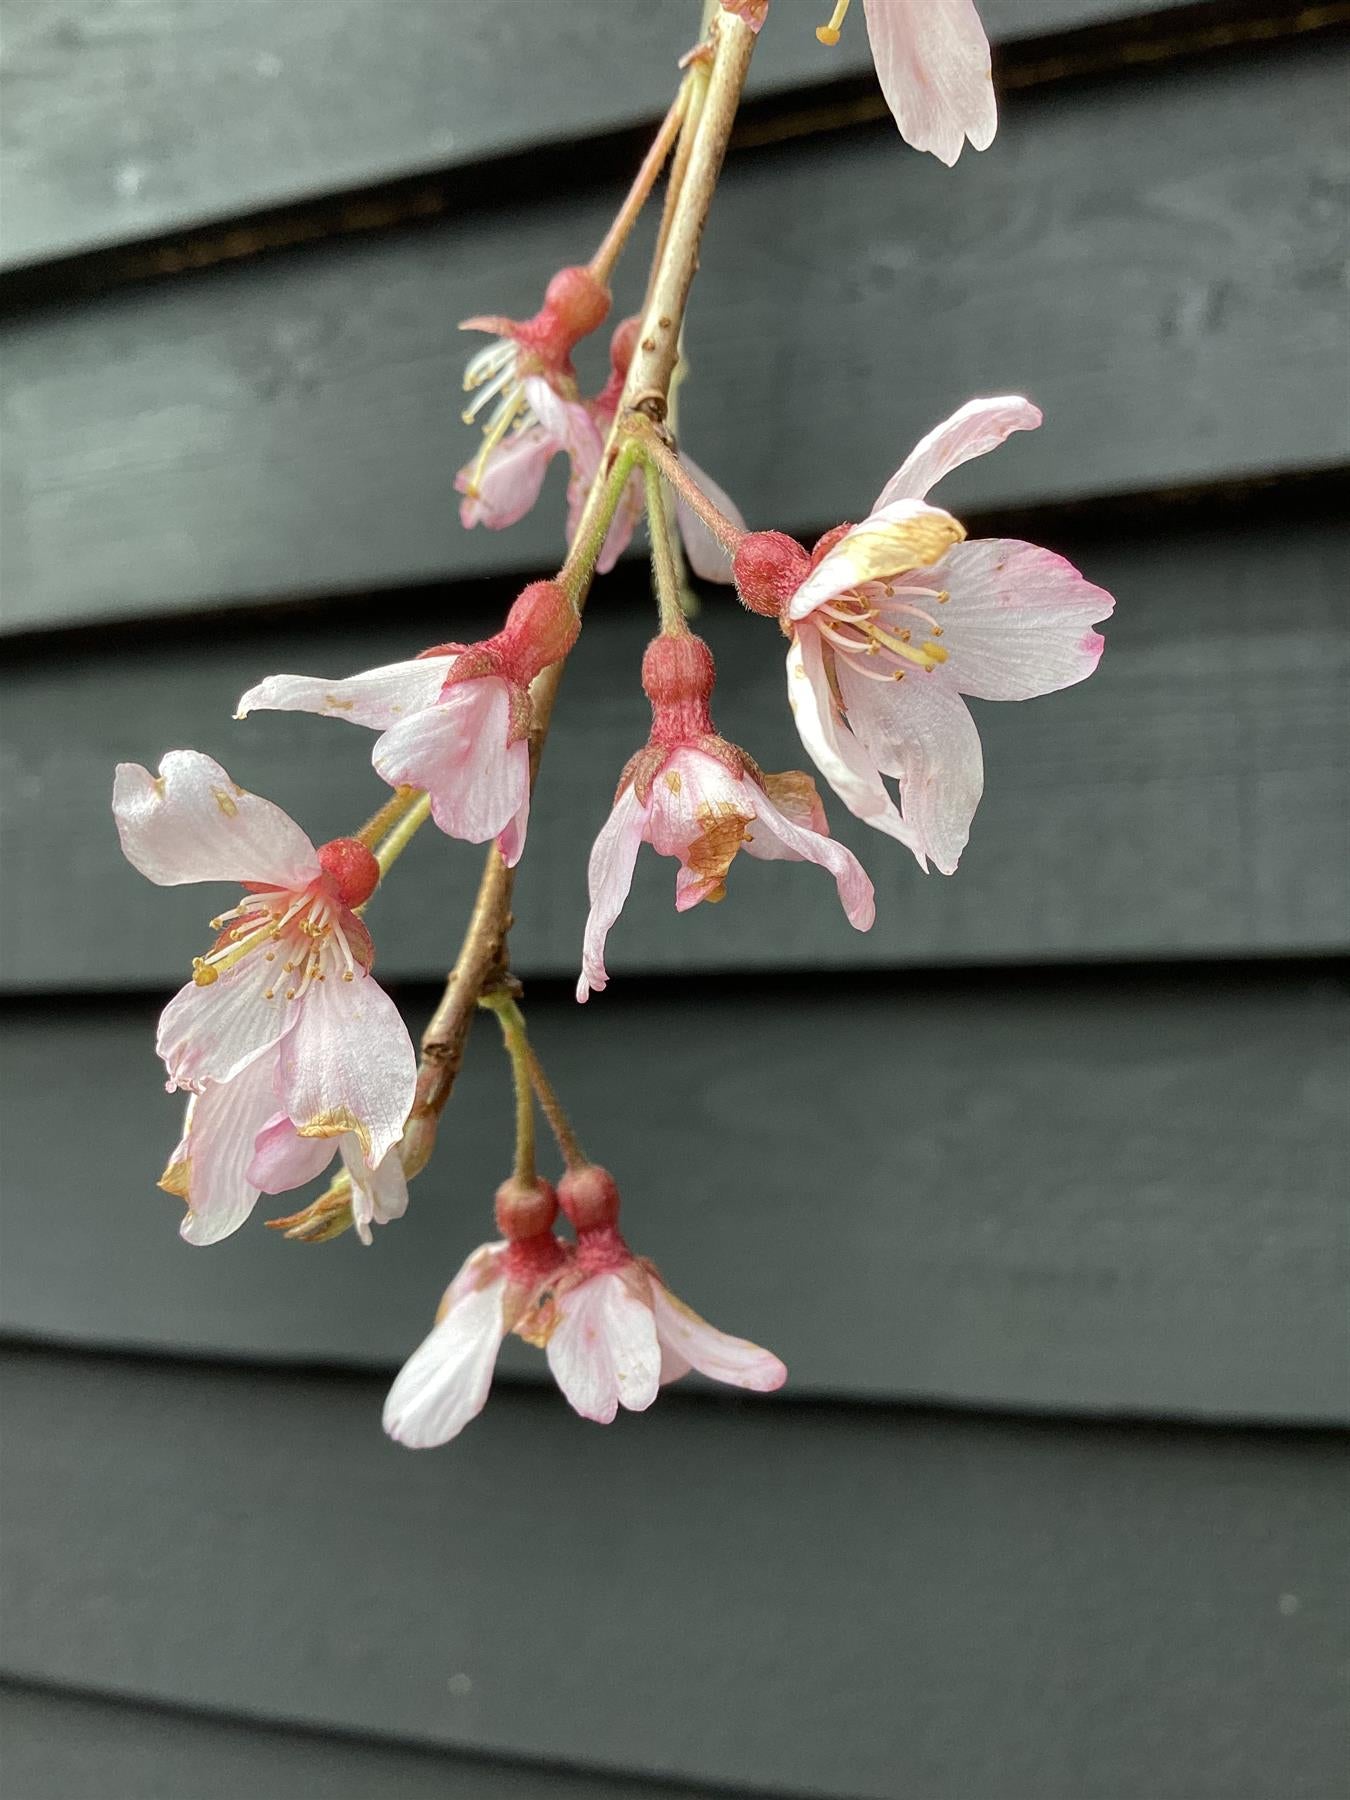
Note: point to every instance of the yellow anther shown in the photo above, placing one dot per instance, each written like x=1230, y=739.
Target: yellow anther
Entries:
x=202, y=972
x=935, y=652
x=829, y=34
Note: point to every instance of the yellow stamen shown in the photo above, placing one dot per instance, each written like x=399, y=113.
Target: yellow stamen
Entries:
x=829, y=34
x=925, y=658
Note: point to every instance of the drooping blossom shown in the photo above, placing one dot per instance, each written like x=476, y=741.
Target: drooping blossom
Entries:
x=893, y=620
x=932, y=60
x=576, y=302
x=282, y=1017
x=445, y=1381
x=500, y=488
x=454, y=721
x=283, y=1160
x=692, y=795
x=613, y=1332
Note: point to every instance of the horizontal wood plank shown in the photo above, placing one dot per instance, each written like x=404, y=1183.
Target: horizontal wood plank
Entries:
x=1189, y=799
x=1093, y=1195
x=1156, y=262
x=123, y=121
x=804, y=1601
x=65, y=1746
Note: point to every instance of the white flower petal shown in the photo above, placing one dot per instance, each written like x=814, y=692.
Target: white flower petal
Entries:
x=973, y=430
x=211, y=1033
x=348, y=1064
x=610, y=876
x=699, y=1345
x=892, y=541
x=445, y=1382
x=192, y=823
x=603, y=1351
x=920, y=730
x=210, y=1169
x=457, y=751
x=1019, y=621
x=856, y=894
x=378, y=697
x=378, y=1195
x=932, y=61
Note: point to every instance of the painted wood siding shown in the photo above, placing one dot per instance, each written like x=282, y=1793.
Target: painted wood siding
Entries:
x=1038, y=1187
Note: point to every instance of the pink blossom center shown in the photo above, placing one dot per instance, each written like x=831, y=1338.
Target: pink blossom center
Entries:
x=885, y=630
x=291, y=938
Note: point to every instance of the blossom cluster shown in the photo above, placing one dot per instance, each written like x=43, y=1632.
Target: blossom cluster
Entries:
x=287, y=1047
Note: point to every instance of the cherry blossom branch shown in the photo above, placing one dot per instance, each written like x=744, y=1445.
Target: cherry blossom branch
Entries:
x=482, y=956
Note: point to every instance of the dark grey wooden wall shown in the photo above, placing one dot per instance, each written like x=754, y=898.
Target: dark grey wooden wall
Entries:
x=1039, y=1187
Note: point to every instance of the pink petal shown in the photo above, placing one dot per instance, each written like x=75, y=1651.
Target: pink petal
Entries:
x=445, y=1381
x=1019, y=619
x=378, y=1195
x=283, y=1160
x=610, y=876
x=694, y=1341
x=832, y=747
x=192, y=823
x=211, y=1033
x=707, y=557
x=890, y=542
x=378, y=697
x=457, y=750
x=348, y=1065
x=932, y=61
x=920, y=730
x=973, y=430
x=510, y=482
x=210, y=1169
x=603, y=1352
x=511, y=838
x=856, y=894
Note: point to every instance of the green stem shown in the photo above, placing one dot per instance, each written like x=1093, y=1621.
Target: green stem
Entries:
x=403, y=834
x=516, y=1040
x=664, y=567
x=593, y=527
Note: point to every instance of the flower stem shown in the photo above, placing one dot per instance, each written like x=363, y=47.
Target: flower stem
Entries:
x=387, y=817
x=664, y=567
x=388, y=852
x=516, y=1039
x=559, y=1123
x=611, y=247
x=656, y=450
x=593, y=526
x=483, y=949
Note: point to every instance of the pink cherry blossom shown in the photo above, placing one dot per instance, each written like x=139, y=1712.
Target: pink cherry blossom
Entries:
x=283, y=1159
x=692, y=795
x=932, y=60
x=445, y=1382
x=893, y=620
x=455, y=721
x=613, y=1332
x=282, y=1014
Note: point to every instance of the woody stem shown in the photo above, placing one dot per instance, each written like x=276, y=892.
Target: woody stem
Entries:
x=483, y=950
x=611, y=247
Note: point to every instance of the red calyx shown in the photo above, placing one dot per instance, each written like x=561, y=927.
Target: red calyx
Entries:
x=678, y=676
x=540, y=629
x=524, y=1209
x=768, y=568
x=352, y=869
x=824, y=545
x=576, y=303
x=589, y=1196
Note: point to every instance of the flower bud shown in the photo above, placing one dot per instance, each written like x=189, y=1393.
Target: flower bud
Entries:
x=678, y=669
x=540, y=629
x=576, y=302
x=768, y=568
x=590, y=1197
x=524, y=1209
x=352, y=869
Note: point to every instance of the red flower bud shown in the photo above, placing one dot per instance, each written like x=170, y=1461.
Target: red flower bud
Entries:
x=590, y=1197
x=540, y=628
x=768, y=569
x=678, y=669
x=524, y=1210
x=576, y=303
x=352, y=869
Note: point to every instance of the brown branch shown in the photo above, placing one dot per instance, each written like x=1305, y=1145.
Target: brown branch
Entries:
x=482, y=956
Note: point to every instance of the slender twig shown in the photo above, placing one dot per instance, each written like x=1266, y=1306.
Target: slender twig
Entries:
x=387, y=817
x=611, y=246
x=665, y=570
x=517, y=1042
x=658, y=451
x=559, y=1123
